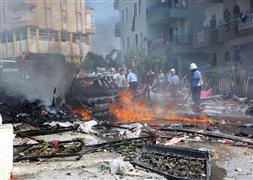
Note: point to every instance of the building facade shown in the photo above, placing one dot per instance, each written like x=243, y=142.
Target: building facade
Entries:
x=45, y=27
x=163, y=29
x=227, y=39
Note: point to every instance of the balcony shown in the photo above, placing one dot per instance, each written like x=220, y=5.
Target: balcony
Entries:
x=177, y=44
x=215, y=1
x=164, y=12
x=205, y=38
x=90, y=30
x=117, y=30
x=236, y=28
x=28, y=19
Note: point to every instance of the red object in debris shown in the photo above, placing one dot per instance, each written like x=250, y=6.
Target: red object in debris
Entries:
x=54, y=143
x=11, y=177
x=226, y=142
x=205, y=94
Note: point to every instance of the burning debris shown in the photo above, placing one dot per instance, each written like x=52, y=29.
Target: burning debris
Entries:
x=128, y=109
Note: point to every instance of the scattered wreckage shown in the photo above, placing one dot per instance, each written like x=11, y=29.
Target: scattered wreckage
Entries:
x=151, y=147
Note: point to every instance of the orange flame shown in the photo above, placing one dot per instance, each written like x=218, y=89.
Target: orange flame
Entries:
x=128, y=110
x=82, y=112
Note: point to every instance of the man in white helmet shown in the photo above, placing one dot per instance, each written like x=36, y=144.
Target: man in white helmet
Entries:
x=173, y=81
x=196, y=83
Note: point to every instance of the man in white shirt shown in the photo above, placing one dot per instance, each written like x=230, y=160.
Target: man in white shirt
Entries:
x=122, y=82
x=132, y=80
x=116, y=78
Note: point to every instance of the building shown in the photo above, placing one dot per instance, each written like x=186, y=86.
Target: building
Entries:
x=46, y=27
x=227, y=39
x=132, y=26
x=163, y=29
x=106, y=17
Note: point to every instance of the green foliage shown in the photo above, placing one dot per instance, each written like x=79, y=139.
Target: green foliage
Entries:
x=115, y=62
x=138, y=60
x=92, y=61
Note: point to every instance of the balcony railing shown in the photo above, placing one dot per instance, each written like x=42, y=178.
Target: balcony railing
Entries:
x=166, y=12
x=176, y=39
x=205, y=38
x=159, y=5
x=236, y=28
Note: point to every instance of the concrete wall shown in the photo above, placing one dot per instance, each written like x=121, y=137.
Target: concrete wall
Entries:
x=6, y=151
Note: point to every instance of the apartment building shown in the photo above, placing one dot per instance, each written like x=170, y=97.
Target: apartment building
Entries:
x=225, y=28
x=162, y=28
x=227, y=37
x=132, y=27
x=46, y=27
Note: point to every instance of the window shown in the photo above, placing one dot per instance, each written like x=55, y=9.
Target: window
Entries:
x=79, y=21
x=135, y=9
x=126, y=11
x=122, y=16
x=136, y=39
x=63, y=4
x=78, y=5
x=64, y=36
x=123, y=43
x=48, y=16
x=90, y=21
x=47, y=3
x=64, y=17
x=128, y=42
x=139, y=7
x=141, y=39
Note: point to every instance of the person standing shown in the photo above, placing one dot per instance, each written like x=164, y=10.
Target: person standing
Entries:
x=115, y=77
x=132, y=80
x=122, y=79
x=196, y=83
x=161, y=76
x=173, y=81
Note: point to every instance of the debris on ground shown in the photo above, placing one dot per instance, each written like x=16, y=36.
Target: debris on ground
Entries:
x=166, y=149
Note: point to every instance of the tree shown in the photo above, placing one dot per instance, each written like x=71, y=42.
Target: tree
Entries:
x=92, y=61
x=113, y=59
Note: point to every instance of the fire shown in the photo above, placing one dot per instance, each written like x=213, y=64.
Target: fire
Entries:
x=82, y=112
x=129, y=110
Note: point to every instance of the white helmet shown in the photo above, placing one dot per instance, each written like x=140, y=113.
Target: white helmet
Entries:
x=172, y=70
x=193, y=66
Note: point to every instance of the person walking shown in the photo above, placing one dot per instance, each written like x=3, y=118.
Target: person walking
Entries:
x=173, y=81
x=132, y=80
x=196, y=83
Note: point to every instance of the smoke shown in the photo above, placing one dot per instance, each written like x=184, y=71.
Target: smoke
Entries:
x=38, y=79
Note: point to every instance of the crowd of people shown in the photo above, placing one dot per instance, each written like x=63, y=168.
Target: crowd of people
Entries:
x=128, y=79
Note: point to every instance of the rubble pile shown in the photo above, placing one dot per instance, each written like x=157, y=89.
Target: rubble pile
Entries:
x=34, y=113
